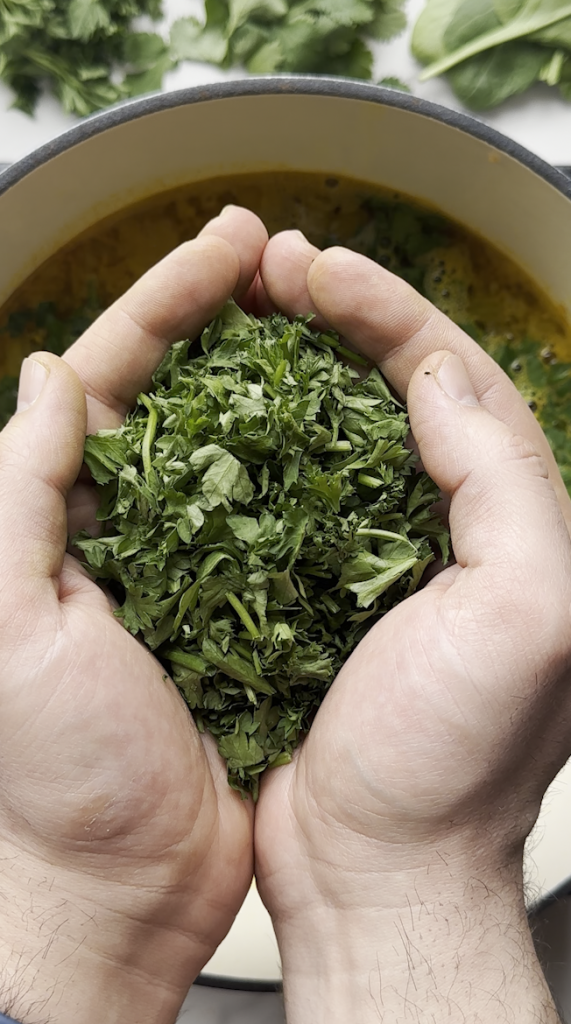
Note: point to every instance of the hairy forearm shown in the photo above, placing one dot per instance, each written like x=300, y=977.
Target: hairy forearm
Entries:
x=50, y=974
x=67, y=959
x=464, y=955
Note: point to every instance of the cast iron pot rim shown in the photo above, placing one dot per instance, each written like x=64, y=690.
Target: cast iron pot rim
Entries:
x=268, y=85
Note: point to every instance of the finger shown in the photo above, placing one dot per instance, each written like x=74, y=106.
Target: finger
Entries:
x=387, y=320
x=283, y=271
x=82, y=505
x=247, y=234
x=503, y=510
x=41, y=451
x=256, y=299
x=118, y=354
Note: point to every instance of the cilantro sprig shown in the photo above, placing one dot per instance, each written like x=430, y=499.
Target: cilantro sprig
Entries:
x=327, y=37
x=261, y=512
x=85, y=51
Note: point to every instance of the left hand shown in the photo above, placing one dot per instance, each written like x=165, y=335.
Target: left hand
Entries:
x=391, y=848
x=125, y=855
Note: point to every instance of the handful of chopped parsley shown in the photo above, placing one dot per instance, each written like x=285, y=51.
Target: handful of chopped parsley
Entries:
x=261, y=512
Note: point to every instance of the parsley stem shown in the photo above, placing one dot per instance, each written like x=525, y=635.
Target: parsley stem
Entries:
x=149, y=438
x=340, y=349
x=244, y=615
x=281, y=369
x=370, y=481
x=190, y=661
x=381, y=534
x=339, y=446
x=354, y=357
x=326, y=339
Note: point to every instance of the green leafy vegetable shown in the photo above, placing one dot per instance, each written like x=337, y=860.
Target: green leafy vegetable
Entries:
x=545, y=383
x=85, y=50
x=494, y=49
x=261, y=512
x=46, y=329
x=319, y=36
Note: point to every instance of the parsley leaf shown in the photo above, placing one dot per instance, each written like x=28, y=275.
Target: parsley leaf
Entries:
x=261, y=512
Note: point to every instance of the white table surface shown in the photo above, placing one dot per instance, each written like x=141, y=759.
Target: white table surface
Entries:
x=541, y=121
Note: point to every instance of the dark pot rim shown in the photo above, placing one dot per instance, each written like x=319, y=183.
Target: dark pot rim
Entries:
x=266, y=85
x=562, y=891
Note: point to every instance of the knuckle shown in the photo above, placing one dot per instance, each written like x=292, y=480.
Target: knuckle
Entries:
x=517, y=448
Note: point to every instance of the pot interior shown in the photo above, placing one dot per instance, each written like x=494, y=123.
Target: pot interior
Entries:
x=468, y=179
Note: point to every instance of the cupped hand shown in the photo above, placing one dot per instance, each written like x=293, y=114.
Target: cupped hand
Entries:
x=427, y=762
x=124, y=853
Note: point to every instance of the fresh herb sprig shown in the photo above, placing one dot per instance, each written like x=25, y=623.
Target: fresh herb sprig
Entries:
x=494, y=49
x=86, y=51
x=320, y=36
x=261, y=512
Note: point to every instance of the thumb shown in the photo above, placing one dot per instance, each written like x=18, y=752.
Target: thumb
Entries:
x=41, y=453
x=504, y=510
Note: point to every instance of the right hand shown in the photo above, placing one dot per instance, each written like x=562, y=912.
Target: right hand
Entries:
x=391, y=848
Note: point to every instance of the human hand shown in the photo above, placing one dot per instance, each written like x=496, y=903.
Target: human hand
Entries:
x=389, y=852
x=124, y=853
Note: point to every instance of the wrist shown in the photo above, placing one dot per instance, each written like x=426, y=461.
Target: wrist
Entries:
x=440, y=944
x=68, y=956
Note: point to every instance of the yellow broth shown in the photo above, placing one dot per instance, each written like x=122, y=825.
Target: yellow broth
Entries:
x=477, y=283
x=466, y=277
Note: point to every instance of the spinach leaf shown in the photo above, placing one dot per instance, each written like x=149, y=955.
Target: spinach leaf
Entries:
x=494, y=49
x=489, y=78
x=261, y=511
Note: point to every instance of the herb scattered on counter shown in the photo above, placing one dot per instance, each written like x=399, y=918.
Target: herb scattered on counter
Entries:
x=261, y=512
x=494, y=49
x=326, y=37
x=86, y=51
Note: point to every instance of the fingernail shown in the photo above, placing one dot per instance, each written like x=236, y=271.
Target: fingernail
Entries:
x=300, y=234
x=455, y=382
x=33, y=376
x=226, y=211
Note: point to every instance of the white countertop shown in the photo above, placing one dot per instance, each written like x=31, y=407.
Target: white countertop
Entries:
x=539, y=120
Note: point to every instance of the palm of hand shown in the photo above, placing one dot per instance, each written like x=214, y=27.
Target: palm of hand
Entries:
x=100, y=753
x=409, y=744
